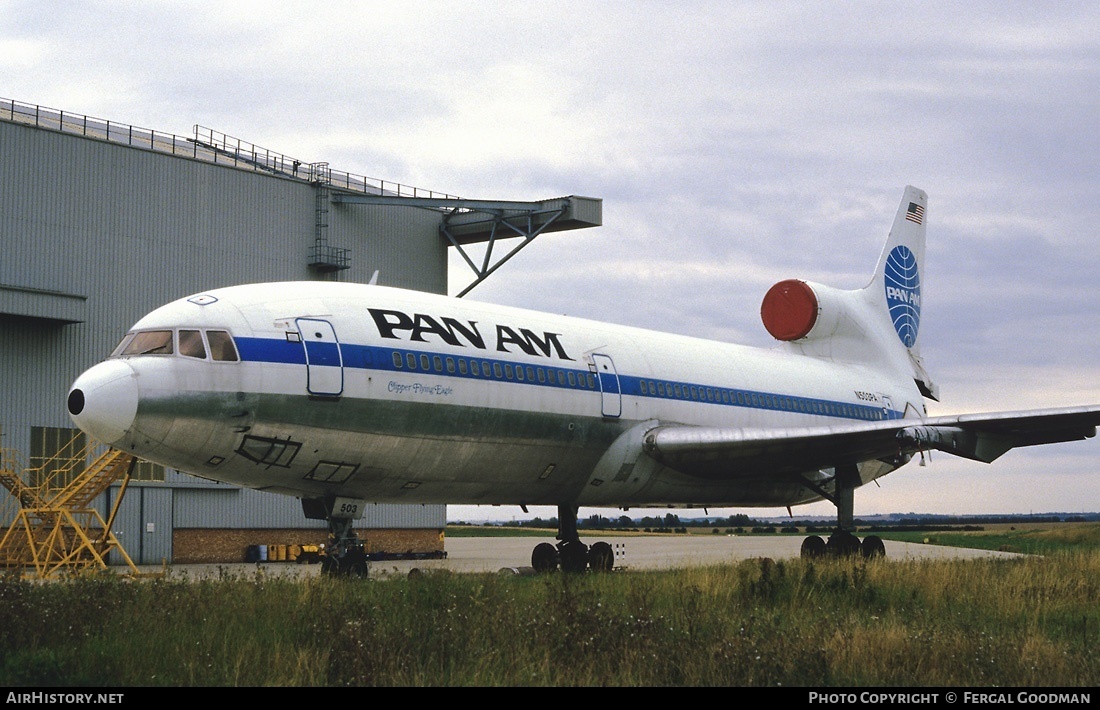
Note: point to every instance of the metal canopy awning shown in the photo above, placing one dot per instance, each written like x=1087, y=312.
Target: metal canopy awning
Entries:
x=469, y=222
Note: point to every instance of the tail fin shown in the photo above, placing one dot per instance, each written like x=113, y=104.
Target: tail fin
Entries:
x=878, y=324
x=896, y=285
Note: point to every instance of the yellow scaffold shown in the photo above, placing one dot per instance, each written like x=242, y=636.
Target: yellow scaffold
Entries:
x=55, y=529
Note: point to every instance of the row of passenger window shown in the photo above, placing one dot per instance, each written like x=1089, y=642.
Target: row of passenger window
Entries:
x=718, y=395
x=496, y=370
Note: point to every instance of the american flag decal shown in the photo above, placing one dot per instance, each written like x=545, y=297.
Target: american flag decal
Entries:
x=915, y=213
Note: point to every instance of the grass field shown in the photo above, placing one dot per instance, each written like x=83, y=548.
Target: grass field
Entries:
x=1036, y=539
x=1025, y=622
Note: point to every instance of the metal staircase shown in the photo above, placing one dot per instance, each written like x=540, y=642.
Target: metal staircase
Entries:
x=56, y=529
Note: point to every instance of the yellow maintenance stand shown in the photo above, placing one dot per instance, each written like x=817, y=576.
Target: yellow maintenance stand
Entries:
x=55, y=529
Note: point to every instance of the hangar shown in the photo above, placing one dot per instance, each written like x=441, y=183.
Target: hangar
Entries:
x=102, y=221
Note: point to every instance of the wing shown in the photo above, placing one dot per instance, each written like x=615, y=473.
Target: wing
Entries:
x=722, y=453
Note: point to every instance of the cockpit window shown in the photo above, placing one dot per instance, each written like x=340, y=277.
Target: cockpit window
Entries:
x=221, y=346
x=121, y=347
x=149, y=342
x=191, y=344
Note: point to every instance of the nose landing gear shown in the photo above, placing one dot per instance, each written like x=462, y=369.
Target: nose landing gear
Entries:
x=344, y=555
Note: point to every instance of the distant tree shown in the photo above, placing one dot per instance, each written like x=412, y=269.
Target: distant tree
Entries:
x=597, y=522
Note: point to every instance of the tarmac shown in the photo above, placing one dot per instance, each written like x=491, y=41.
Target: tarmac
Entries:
x=512, y=555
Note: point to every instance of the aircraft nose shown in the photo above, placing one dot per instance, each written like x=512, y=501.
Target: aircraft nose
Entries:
x=103, y=401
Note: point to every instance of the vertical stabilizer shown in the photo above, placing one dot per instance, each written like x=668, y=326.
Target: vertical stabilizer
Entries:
x=896, y=287
x=878, y=325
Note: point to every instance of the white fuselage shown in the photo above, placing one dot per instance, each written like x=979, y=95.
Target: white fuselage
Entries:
x=389, y=395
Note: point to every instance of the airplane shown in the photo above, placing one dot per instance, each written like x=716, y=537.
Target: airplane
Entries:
x=343, y=394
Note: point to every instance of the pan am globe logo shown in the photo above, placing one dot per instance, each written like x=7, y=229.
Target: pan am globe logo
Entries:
x=903, y=293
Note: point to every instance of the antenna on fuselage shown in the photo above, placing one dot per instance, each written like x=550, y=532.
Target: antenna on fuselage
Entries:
x=374, y=279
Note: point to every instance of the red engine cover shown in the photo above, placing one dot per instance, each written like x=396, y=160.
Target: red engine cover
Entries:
x=789, y=310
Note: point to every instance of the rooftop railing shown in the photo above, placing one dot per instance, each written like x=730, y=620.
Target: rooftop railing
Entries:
x=207, y=145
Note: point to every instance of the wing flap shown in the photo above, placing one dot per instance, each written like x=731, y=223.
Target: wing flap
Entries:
x=725, y=453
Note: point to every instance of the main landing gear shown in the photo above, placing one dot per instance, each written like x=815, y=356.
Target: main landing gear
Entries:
x=843, y=542
x=570, y=554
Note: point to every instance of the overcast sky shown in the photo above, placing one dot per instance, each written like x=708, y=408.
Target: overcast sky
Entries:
x=733, y=144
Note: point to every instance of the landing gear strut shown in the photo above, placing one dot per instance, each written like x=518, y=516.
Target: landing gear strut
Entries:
x=344, y=555
x=843, y=542
x=570, y=554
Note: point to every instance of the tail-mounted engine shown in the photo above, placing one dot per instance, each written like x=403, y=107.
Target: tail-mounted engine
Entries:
x=794, y=310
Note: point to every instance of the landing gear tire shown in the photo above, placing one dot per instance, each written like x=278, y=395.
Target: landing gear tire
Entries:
x=872, y=546
x=601, y=558
x=574, y=557
x=354, y=564
x=843, y=544
x=544, y=558
x=329, y=566
x=813, y=547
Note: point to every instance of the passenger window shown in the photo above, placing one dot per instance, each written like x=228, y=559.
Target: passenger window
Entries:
x=530, y=374
x=462, y=367
x=437, y=363
x=397, y=359
x=508, y=372
x=191, y=344
x=572, y=379
x=222, y=348
x=150, y=342
x=410, y=360
x=496, y=370
x=424, y=363
x=451, y=365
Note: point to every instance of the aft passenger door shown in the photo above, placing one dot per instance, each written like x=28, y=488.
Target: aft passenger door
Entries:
x=612, y=400
x=324, y=361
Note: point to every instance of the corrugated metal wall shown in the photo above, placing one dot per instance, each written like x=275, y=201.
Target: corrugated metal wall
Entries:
x=102, y=232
